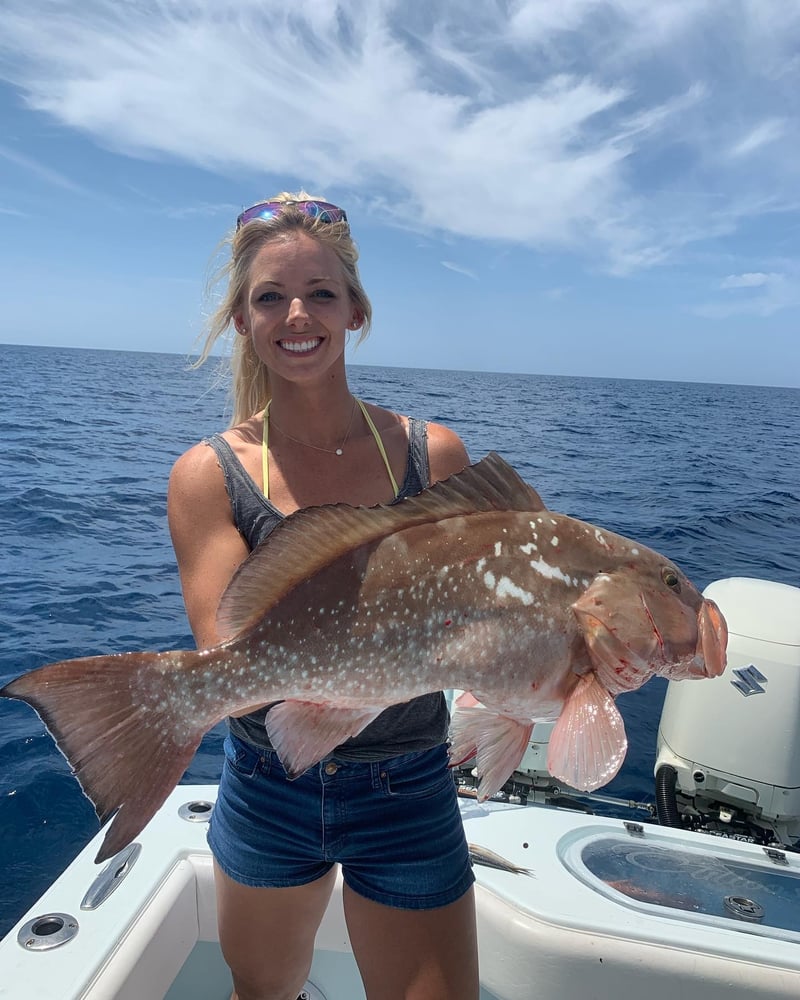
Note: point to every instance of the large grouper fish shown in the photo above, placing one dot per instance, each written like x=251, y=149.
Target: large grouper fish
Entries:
x=343, y=611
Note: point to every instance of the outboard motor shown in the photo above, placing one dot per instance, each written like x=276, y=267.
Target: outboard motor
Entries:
x=729, y=747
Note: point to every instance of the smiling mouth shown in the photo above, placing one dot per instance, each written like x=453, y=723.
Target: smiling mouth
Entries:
x=300, y=346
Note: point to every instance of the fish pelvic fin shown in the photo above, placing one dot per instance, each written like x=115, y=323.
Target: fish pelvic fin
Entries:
x=497, y=742
x=312, y=538
x=302, y=733
x=125, y=751
x=588, y=742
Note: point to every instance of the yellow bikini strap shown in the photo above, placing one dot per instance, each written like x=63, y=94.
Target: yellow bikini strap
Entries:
x=265, y=451
x=379, y=443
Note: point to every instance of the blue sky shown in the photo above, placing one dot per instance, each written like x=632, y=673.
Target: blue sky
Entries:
x=585, y=187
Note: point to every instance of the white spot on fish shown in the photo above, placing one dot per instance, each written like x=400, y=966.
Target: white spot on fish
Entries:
x=554, y=540
x=507, y=588
x=489, y=580
x=551, y=572
x=480, y=564
x=634, y=552
x=529, y=548
x=498, y=548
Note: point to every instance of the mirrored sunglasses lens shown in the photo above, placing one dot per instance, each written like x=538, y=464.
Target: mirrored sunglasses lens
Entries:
x=322, y=210
x=266, y=210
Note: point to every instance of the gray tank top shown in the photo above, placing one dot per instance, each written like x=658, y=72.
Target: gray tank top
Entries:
x=415, y=725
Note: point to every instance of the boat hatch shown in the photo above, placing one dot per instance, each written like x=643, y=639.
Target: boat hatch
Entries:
x=709, y=887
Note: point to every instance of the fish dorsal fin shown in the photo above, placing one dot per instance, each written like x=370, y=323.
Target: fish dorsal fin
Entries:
x=311, y=538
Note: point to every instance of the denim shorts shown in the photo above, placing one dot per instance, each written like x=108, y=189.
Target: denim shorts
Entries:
x=393, y=825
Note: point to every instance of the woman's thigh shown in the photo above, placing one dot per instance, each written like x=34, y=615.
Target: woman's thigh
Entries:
x=267, y=935
x=415, y=954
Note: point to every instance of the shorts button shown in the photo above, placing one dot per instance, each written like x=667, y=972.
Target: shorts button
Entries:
x=331, y=768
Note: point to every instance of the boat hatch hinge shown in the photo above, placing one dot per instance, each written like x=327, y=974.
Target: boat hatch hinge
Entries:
x=634, y=829
x=776, y=857
x=110, y=877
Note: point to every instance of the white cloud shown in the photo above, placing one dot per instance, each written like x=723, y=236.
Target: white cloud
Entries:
x=451, y=266
x=623, y=129
x=766, y=293
x=752, y=279
x=761, y=135
x=31, y=166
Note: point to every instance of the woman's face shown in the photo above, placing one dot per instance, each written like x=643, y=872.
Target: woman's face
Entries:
x=297, y=308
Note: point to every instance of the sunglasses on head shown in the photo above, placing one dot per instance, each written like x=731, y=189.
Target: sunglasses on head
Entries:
x=322, y=210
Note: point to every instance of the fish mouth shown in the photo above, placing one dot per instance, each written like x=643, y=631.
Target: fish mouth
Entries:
x=709, y=658
x=305, y=346
x=712, y=640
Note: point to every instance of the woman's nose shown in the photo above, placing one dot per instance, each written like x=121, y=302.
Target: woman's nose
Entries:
x=298, y=315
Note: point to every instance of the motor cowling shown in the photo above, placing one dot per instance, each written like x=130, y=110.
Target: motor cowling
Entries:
x=729, y=747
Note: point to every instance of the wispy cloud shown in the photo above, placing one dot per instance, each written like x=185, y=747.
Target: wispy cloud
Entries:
x=758, y=137
x=452, y=266
x=752, y=279
x=608, y=127
x=40, y=170
x=755, y=293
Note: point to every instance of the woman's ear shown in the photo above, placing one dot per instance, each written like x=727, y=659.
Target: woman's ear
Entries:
x=238, y=324
x=357, y=320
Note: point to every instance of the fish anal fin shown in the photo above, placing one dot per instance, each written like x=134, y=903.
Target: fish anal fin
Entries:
x=303, y=732
x=588, y=743
x=497, y=742
x=314, y=537
x=126, y=757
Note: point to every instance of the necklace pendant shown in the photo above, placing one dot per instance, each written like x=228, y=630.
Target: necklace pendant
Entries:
x=339, y=451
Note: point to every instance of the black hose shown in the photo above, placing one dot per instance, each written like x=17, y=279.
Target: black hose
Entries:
x=666, y=800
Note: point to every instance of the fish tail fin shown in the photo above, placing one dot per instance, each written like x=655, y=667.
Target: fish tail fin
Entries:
x=114, y=720
x=588, y=743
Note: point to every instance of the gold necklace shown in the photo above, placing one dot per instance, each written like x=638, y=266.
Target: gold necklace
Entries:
x=307, y=444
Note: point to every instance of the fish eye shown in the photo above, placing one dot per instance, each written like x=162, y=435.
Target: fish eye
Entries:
x=670, y=578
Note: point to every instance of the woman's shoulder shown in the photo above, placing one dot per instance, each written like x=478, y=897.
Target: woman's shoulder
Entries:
x=195, y=479
x=447, y=453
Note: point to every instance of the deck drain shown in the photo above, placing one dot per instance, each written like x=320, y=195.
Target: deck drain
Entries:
x=744, y=908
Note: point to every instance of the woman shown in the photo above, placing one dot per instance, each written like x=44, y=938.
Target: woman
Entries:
x=383, y=804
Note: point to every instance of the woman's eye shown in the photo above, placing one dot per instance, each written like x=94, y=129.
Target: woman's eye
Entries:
x=324, y=293
x=269, y=297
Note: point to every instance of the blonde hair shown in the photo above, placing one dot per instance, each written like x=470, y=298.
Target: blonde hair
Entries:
x=250, y=389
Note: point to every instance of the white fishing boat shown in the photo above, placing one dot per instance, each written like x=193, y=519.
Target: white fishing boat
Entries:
x=704, y=904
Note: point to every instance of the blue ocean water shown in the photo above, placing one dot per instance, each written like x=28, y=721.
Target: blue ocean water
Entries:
x=707, y=474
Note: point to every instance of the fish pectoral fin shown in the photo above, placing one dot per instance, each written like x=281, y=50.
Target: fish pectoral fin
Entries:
x=303, y=732
x=497, y=742
x=588, y=742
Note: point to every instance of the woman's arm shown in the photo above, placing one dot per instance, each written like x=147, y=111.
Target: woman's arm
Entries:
x=208, y=546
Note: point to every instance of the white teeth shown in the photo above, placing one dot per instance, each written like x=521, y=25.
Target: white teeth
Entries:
x=300, y=347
